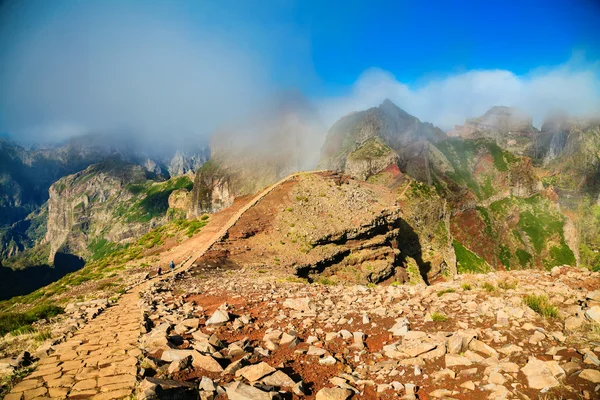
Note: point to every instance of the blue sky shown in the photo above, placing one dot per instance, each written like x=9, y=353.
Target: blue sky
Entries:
x=417, y=39
x=73, y=66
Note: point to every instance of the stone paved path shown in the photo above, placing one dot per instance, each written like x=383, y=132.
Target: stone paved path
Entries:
x=100, y=360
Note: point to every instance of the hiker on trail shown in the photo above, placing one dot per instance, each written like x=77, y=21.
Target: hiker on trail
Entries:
x=158, y=270
x=172, y=265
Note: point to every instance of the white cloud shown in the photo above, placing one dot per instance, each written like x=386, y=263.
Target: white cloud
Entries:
x=118, y=68
x=572, y=87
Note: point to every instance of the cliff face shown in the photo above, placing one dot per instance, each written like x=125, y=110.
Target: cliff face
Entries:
x=212, y=190
x=113, y=201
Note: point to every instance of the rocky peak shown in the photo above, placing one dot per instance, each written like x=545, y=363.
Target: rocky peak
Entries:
x=394, y=129
x=184, y=162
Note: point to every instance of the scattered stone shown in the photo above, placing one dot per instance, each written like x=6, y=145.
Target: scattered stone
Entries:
x=539, y=375
x=593, y=314
x=254, y=372
x=300, y=304
x=333, y=394
x=591, y=375
x=219, y=317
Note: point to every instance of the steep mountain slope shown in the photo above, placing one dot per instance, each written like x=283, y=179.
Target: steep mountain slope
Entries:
x=572, y=170
x=106, y=204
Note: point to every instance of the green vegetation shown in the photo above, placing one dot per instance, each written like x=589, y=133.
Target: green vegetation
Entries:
x=414, y=275
x=371, y=148
x=462, y=155
x=486, y=218
x=467, y=261
x=440, y=293
x=488, y=287
x=325, y=281
x=422, y=190
x=10, y=322
x=587, y=225
x=466, y=286
x=100, y=247
x=504, y=256
x=438, y=317
x=107, y=259
x=524, y=258
x=8, y=381
x=153, y=199
x=506, y=285
x=37, y=255
x=541, y=305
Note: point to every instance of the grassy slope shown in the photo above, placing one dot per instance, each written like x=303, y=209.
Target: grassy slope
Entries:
x=463, y=154
x=519, y=233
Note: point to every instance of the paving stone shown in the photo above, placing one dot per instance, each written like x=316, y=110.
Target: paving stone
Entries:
x=27, y=385
x=32, y=394
x=85, y=385
x=64, y=381
x=49, y=371
x=109, y=380
x=117, y=394
x=59, y=393
x=118, y=386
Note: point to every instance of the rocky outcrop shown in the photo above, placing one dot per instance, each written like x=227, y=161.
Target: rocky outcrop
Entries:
x=370, y=158
x=212, y=190
x=327, y=226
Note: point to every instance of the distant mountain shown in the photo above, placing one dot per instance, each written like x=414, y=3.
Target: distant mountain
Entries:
x=511, y=128
x=26, y=175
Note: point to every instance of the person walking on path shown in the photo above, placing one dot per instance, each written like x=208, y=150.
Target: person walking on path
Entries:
x=172, y=265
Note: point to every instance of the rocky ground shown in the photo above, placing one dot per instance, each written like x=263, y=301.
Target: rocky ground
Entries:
x=243, y=335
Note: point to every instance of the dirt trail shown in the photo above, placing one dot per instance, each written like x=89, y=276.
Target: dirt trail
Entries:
x=100, y=360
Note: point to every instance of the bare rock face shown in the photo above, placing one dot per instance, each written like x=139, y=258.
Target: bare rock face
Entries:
x=182, y=162
x=212, y=190
x=179, y=200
